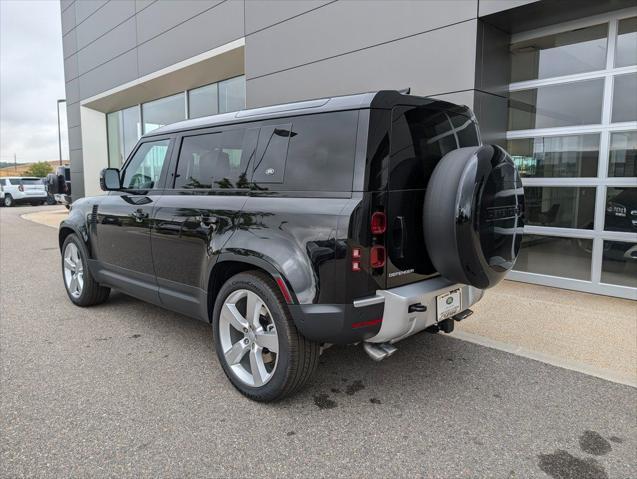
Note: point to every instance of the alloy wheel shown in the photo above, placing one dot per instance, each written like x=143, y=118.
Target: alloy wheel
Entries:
x=248, y=338
x=73, y=270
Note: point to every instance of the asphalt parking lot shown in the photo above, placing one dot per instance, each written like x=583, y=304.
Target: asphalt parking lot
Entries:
x=126, y=389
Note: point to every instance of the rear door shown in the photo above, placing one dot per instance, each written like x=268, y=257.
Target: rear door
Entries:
x=420, y=137
x=199, y=210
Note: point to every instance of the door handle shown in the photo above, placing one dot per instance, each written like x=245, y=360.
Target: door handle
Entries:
x=139, y=215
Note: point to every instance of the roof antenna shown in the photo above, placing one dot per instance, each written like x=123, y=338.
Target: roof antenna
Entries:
x=405, y=91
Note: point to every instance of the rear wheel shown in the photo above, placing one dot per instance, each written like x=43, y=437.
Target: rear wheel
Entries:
x=80, y=286
x=256, y=341
x=8, y=200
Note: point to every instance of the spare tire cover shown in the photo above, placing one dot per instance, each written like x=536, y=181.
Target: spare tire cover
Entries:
x=473, y=215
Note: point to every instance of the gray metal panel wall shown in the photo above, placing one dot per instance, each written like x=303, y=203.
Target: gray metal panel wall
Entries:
x=343, y=27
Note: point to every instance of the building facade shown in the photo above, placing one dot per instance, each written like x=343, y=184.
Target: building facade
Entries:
x=553, y=81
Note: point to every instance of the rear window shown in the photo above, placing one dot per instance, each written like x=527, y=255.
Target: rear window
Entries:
x=420, y=137
x=31, y=181
x=320, y=153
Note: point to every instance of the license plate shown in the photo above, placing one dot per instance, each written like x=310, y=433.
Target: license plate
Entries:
x=448, y=304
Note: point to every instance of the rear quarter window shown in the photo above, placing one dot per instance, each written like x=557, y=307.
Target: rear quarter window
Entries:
x=320, y=153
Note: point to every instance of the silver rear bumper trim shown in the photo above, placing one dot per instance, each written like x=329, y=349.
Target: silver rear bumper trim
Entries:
x=398, y=322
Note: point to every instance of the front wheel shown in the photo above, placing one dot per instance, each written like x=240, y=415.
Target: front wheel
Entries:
x=8, y=200
x=256, y=341
x=80, y=285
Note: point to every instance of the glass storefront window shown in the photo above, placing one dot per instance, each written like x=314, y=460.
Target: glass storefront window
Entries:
x=232, y=94
x=619, y=263
x=560, y=206
x=203, y=101
x=626, y=46
x=625, y=98
x=573, y=156
x=123, y=129
x=622, y=161
x=565, y=53
x=164, y=111
x=578, y=103
x=113, y=128
x=621, y=209
x=565, y=257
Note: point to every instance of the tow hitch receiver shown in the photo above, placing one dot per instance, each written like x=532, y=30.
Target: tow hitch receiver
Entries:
x=463, y=314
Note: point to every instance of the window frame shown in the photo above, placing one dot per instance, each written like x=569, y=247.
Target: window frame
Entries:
x=602, y=181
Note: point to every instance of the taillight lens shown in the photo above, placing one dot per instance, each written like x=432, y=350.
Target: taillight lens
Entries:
x=377, y=256
x=378, y=223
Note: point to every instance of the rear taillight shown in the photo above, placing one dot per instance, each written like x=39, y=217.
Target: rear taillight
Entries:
x=378, y=223
x=20, y=188
x=377, y=256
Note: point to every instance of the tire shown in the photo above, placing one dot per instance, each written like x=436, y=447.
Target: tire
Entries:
x=8, y=200
x=296, y=357
x=473, y=215
x=89, y=292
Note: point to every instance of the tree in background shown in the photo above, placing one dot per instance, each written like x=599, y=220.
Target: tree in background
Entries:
x=39, y=169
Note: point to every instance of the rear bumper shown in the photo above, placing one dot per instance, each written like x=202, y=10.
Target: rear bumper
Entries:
x=398, y=323
x=24, y=198
x=337, y=323
x=382, y=318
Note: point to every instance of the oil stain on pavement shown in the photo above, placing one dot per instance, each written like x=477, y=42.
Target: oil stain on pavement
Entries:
x=592, y=443
x=562, y=465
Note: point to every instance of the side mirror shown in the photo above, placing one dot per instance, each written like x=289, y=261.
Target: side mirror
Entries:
x=109, y=179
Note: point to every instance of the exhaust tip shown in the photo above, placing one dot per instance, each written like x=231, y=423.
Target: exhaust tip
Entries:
x=378, y=352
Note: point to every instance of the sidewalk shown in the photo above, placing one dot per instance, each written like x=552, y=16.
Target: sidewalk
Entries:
x=586, y=332
x=52, y=216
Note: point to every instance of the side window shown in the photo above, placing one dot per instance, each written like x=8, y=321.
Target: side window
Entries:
x=144, y=169
x=221, y=159
x=320, y=154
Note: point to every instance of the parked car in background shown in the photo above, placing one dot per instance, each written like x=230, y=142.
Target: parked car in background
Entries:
x=356, y=219
x=18, y=190
x=59, y=185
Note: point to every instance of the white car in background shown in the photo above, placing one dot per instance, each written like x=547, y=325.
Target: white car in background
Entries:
x=20, y=189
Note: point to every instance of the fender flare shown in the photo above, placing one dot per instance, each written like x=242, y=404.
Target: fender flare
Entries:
x=80, y=230
x=260, y=263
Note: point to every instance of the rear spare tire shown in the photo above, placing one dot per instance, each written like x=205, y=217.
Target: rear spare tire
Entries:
x=473, y=215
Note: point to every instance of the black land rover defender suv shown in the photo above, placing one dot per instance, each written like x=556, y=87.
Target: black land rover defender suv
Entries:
x=356, y=219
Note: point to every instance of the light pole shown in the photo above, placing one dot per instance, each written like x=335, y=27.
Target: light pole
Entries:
x=59, y=131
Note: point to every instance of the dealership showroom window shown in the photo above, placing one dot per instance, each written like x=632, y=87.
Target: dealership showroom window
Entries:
x=572, y=132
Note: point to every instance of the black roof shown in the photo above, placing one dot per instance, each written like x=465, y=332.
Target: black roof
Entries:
x=384, y=99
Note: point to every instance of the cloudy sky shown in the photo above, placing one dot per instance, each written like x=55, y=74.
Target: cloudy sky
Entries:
x=31, y=80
